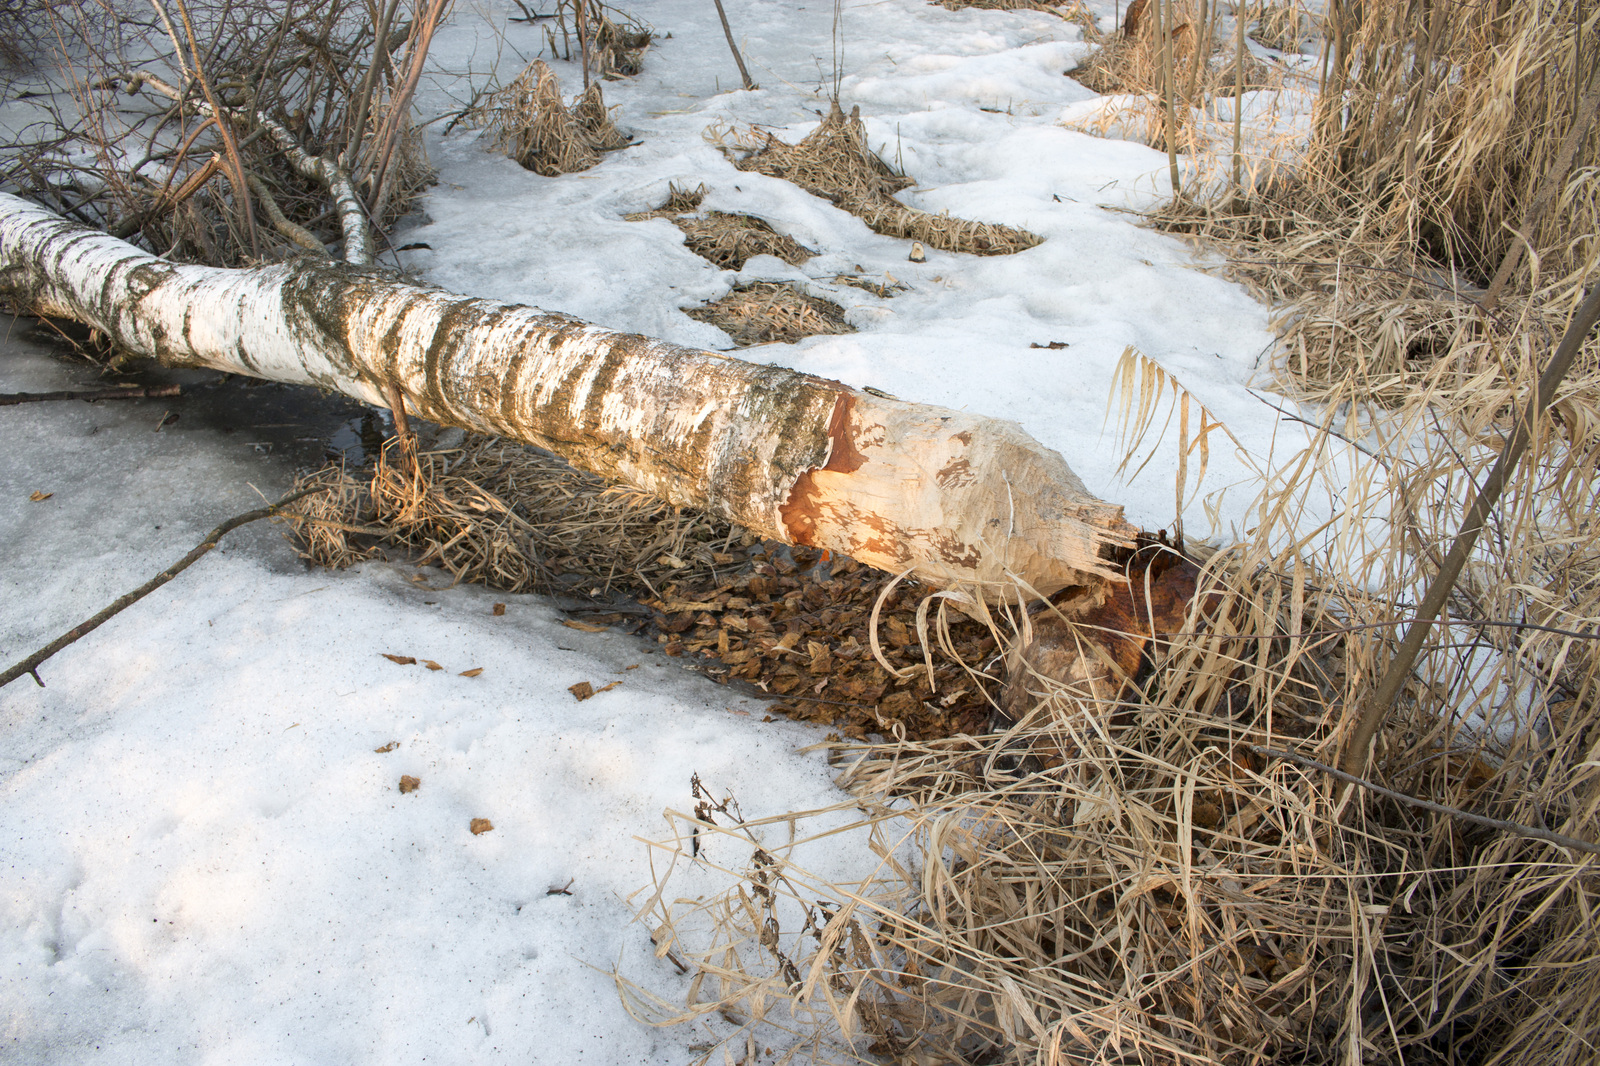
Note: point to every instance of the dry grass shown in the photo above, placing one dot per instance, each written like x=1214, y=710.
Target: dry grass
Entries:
x=1168, y=892
x=1073, y=10
x=616, y=40
x=1285, y=27
x=727, y=240
x=835, y=163
x=768, y=312
x=503, y=514
x=1455, y=126
x=529, y=122
x=1195, y=91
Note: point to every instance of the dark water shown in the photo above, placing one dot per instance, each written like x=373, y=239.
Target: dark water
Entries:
x=302, y=425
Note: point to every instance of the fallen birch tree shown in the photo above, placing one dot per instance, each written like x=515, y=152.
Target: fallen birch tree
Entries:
x=947, y=496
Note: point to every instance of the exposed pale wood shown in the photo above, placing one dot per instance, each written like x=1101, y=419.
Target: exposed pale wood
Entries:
x=946, y=495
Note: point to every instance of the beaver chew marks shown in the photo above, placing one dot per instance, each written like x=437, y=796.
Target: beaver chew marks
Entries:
x=799, y=512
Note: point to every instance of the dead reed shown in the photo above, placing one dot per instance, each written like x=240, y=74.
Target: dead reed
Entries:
x=611, y=43
x=1140, y=877
x=503, y=514
x=769, y=312
x=1441, y=217
x=835, y=163
x=727, y=240
x=529, y=122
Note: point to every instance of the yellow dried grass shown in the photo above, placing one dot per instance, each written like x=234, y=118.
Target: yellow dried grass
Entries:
x=507, y=515
x=726, y=239
x=529, y=122
x=767, y=312
x=835, y=163
x=1171, y=893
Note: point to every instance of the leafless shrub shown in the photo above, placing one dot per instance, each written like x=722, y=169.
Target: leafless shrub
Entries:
x=191, y=150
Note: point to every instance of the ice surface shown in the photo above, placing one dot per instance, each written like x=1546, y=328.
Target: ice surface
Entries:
x=202, y=857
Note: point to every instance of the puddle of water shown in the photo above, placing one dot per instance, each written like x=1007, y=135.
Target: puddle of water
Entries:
x=297, y=423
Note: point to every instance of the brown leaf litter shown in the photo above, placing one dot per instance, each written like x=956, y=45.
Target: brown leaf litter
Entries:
x=764, y=616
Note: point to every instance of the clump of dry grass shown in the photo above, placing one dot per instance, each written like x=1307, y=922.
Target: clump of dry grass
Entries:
x=835, y=163
x=1073, y=10
x=1469, y=132
x=726, y=239
x=504, y=514
x=529, y=122
x=1175, y=889
x=612, y=41
x=1284, y=27
x=768, y=312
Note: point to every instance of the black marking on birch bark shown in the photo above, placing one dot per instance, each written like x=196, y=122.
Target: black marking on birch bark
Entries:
x=510, y=393
x=453, y=325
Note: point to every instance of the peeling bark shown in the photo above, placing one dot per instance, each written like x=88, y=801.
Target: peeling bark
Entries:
x=948, y=496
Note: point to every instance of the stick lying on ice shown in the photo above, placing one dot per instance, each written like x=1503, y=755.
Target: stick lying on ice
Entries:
x=946, y=495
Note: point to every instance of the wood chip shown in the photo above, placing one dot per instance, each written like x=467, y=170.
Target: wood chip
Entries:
x=387, y=748
x=499, y=609
x=409, y=784
x=431, y=665
x=474, y=672
x=39, y=495
x=403, y=660
x=583, y=627
x=583, y=690
x=679, y=606
x=480, y=826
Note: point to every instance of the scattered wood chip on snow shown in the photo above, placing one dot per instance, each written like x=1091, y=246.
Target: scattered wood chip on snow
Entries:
x=409, y=784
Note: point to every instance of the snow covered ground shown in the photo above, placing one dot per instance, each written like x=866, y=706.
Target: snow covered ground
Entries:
x=203, y=855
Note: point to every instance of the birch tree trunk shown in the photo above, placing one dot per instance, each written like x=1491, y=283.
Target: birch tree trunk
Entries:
x=950, y=496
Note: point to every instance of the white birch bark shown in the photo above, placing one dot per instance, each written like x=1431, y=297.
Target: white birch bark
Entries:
x=949, y=496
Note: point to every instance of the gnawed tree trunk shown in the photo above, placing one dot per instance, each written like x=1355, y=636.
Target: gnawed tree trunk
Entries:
x=951, y=497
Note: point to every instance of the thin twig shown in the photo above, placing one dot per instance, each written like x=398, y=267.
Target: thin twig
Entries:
x=241, y=190
x=30, y=665
x=1517, y=828
x=727, y=32
x=402, y=429
x=7, y=399
x=281, y=222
